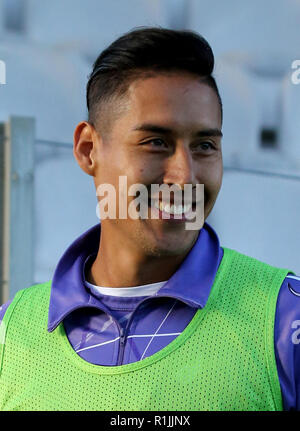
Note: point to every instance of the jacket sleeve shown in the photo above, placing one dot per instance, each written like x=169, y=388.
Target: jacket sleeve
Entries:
x=287, y=341
x=3, y=309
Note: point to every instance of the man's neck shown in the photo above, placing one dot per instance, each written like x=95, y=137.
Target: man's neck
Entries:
x=122, y=265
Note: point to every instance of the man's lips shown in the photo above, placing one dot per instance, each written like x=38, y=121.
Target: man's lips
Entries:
x=172, y=202
x=171, y=213
x=189, y=206
x=171, y=216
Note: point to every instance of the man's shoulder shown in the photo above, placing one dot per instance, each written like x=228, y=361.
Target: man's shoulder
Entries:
x=292, y=286
x=251, y=268
x=36, y=290
x=243, y=257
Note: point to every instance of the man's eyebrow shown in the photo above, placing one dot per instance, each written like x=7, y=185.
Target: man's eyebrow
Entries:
x=209, y=132
x=148, y=127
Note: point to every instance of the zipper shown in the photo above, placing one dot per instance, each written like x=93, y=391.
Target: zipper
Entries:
x=121, y=345
x=123, y=333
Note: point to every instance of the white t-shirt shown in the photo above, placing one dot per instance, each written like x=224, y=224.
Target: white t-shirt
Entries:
x=143, y=290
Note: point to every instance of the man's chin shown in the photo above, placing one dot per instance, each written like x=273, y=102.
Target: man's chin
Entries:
x=170, y=247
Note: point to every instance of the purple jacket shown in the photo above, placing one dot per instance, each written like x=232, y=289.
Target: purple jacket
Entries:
x=110, y=330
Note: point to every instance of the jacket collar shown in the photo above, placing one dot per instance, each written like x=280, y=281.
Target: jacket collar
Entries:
x=191, y=283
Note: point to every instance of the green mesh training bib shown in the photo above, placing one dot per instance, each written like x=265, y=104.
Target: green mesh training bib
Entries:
x=223, y=360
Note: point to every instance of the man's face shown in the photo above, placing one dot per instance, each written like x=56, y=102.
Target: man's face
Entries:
x=167, y=134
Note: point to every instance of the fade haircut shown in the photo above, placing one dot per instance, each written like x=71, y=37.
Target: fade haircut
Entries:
x=142, y=52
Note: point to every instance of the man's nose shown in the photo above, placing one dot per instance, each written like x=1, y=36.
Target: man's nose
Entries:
x=180, y=168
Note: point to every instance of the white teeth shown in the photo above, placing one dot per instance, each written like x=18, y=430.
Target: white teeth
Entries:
x=172, y=209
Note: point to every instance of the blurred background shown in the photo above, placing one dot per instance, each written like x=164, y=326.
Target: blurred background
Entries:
x=47, y=49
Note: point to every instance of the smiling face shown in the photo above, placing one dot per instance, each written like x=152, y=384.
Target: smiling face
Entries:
x=169, y=132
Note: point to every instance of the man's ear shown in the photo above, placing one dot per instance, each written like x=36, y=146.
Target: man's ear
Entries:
x=85, y=145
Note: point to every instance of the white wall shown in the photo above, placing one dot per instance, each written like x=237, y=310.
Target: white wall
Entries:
x=88, y=26
x=268, y=28
x=259, y=216
x=46, y=84
x=290, y=126
x=65, y=206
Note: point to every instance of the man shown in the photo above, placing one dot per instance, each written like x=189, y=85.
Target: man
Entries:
x=143, y=313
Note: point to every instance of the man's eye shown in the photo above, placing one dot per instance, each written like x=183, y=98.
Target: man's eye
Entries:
x=157, y=143
x=206, y=146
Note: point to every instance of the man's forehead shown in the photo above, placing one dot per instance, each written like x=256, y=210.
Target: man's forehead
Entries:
x=170, y=100
x=167, y=82
x=184, y=93
x=170, y=105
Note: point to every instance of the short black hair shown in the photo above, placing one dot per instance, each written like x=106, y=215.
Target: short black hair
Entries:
x=144, y=50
